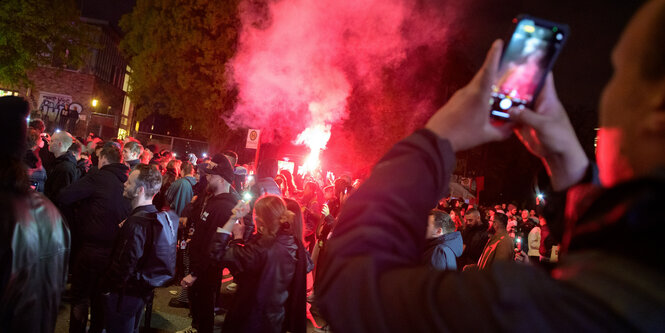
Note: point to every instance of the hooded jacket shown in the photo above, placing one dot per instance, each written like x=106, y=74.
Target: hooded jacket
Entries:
x=102, y=205
x=63, y=172
x=180, y=193
x=442, y=252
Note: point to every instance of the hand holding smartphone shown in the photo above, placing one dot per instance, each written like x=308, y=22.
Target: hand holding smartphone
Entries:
x=529, y=56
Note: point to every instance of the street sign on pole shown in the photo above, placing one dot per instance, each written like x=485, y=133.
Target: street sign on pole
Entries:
x=253, y=138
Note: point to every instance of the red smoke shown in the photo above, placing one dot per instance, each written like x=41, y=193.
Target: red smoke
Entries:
x=299, y=62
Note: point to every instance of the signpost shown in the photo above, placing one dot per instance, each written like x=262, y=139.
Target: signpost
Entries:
x=254, y=142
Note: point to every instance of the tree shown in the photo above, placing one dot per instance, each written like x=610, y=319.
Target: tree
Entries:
x=38, y=33
x=178, y=52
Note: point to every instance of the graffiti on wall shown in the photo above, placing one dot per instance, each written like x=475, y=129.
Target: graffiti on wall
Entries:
x=59, y=110
x=51, y=105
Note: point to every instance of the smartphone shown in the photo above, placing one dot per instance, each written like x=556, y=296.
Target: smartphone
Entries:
x=528, y=57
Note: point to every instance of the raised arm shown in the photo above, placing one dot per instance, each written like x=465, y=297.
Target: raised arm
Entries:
x=381, y=228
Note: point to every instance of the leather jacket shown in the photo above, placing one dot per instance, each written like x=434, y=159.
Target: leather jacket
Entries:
x=37, y=267
x=142, y=259
x=264, y=269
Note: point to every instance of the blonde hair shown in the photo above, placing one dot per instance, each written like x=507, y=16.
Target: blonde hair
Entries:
x=271, y=211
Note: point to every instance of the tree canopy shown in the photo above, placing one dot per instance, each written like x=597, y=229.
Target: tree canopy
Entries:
x=37, y=33
x=178, y=52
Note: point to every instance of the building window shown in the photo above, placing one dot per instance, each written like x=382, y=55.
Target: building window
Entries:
x=8, y=93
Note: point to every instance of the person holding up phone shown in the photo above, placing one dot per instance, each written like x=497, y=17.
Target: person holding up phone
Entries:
x=597, y=286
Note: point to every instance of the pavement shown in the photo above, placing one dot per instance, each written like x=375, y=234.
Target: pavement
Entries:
x=169, y=319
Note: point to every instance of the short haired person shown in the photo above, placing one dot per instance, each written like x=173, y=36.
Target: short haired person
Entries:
x=205, y=275
x=131, y=153
x=475, y=236
x=181, y=191
x=144, y=255
x=34, y=239
x=500, y=245
x=610, y=274
x=444, y=244
x=82, y=163
x=63, y=171
x=100, y=208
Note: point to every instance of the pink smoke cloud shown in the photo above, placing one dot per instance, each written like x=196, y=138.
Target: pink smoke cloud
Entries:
x=299, y=61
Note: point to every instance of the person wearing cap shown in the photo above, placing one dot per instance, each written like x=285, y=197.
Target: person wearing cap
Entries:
x=205, y=275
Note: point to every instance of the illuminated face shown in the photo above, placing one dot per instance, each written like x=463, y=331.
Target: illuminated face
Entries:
x=472, y=219
x=214, y=182
x=525, y=214
x=127, y=155
x=626, y=102
x=542, y=221
x=130, y=191
x=432, y=232
x=54, y=147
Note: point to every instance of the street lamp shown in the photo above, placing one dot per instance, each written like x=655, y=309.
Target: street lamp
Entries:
x=94, y=102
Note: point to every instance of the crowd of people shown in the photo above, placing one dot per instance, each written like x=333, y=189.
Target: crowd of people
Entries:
x=117, y=219
x=140, y=218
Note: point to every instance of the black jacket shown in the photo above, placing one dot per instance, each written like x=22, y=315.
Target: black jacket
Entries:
x=46, y=156
x=264, y=269
x=474, y=238
x=101, y=205
x=62, y=173
x=213, y=213
x=372, y=280
x=141, y=259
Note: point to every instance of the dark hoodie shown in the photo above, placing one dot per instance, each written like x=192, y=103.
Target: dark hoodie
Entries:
x=101, y=205
x=62, y=173
x=442, y=252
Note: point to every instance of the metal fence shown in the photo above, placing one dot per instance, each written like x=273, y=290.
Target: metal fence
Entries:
x=180, y=146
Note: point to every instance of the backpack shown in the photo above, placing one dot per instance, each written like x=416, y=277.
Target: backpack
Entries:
x=162, y=242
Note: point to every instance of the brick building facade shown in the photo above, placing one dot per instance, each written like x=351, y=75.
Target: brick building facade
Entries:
x=89, y=99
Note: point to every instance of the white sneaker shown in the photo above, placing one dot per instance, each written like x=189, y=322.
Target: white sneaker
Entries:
x=188, y=330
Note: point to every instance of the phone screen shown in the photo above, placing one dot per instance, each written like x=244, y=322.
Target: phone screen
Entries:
x=527, y=59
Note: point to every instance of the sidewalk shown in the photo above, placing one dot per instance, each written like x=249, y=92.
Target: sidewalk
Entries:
x=166, y=318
